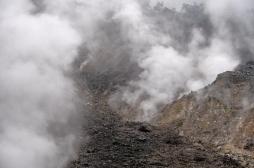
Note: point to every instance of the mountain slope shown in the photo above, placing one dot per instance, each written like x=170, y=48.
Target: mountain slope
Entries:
x=221, y=114
x=116, y=143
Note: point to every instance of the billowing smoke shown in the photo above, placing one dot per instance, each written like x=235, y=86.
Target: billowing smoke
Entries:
x=144, y=54
x=38, y=100
x=165, y=49
x=178, y=50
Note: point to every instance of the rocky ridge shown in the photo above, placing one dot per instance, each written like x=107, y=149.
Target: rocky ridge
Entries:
x=221, y=114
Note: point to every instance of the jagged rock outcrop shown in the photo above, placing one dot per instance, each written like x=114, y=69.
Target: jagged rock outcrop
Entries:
x=221, y=114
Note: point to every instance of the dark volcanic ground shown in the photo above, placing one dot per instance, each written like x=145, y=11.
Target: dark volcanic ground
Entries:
x=114, y=143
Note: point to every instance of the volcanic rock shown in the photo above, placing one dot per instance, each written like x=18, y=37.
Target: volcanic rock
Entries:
x=221, y=114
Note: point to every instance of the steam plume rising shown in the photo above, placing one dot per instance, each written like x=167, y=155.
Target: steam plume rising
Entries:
x=178, y=50
x=151, y=52
x=37, y=99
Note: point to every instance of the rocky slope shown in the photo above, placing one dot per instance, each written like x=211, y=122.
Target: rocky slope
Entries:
x=221, y=114
x=182, y=135
x=114, y=143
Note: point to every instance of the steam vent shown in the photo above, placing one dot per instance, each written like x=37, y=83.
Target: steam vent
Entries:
x=212, y=127
x=127, y=84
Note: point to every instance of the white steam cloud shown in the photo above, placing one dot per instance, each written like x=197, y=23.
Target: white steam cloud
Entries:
x=37, y=99
x=150, y=52
x=218, y=42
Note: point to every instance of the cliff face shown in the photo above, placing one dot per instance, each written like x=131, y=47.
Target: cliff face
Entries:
x=221, y=114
